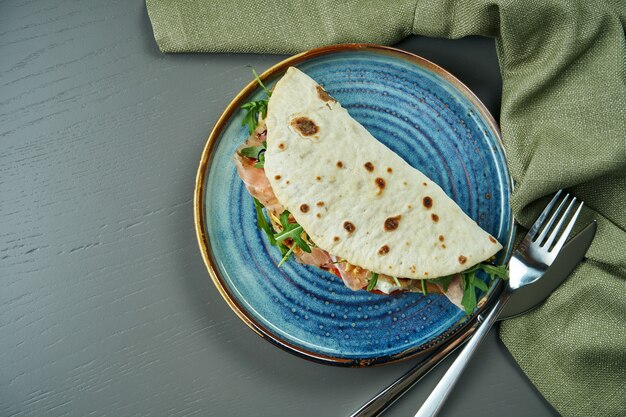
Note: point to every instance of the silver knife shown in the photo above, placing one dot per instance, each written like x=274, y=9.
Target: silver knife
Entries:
x=532, y=296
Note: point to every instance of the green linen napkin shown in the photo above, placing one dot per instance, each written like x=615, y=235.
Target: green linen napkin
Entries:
x=563, y=121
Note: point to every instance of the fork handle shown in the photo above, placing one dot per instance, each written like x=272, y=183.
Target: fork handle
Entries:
x=437, y=398
x=384, y=399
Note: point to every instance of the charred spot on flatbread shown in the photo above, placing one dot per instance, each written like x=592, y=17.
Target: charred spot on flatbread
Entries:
x=320, y=204
x=462, y=259
x=427, y=202
x=304, y=208
x=305, y=126
x=336, y=239
x=392, y=223
x=380, y=184
x=434, y=217
x=441, y=238
x=349, y=226
x=324, y=95
x=389, y=170
x=277, y=177
x=369, y=166
x=492, y=240
x=339, y=164
x=384, y=250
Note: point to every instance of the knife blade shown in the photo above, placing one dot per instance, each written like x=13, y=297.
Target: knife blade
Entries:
x=566, y=261
x=531, y=296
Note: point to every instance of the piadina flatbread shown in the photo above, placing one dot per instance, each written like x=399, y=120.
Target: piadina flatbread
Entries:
x=357, y=199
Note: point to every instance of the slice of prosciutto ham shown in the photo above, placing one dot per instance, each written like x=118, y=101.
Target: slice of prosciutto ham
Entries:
x=318, y=257
x=254, y=178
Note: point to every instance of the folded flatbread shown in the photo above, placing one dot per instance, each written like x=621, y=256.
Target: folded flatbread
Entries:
x=356, y=198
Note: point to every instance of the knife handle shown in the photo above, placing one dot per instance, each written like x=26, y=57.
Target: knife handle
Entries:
x=437, y=398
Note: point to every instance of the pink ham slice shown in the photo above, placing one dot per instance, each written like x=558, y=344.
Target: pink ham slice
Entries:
x=455, y=291
x=355, y=278
x=318, y=257
x=254, y=178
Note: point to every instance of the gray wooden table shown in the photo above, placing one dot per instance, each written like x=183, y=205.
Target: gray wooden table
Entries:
x=106, y=308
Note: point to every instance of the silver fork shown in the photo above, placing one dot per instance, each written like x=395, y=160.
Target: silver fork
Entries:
x=529, y=262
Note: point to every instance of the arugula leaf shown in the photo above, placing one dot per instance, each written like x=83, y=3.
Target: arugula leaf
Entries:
x=372, y=282
x=293, y=231
x=495, y=271
x=261, y=161
x=443, y=281
x=258, y=80
x=283, y=248
x=252, y=151
x=262, y=222
x=480, y=284
x=256, y=152
x=254, y=109
x=424, y=291
x=287, y=255
x=469, y=293
x=284, y=218
x=471, y=282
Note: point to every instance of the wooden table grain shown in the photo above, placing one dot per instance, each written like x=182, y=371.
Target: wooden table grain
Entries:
x=106, y=308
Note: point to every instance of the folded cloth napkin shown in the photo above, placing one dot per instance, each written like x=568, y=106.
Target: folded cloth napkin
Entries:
x=563, y=121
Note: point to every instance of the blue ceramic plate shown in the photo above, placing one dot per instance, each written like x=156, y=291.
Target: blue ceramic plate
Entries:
x=419, y=111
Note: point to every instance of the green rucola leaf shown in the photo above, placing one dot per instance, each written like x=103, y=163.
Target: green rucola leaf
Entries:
x=284, y=219
x=495, y=271
x=286, y=256
x=258, y=80
x=253, y=110
x=469, y=293
x=293, y=231
x=261, y=161
x=444, y=282
x=282, y=248
x=252, y=151
x=287, y=232
x=480, y=284
x=262, y=222
x=372, y=282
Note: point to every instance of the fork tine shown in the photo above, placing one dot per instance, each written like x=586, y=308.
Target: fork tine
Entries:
x=550, y=222
x=555, y=231
x=537, y=225
x=559, y=244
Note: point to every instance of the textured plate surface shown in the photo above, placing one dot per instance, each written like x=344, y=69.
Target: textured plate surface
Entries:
x=426, y=116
